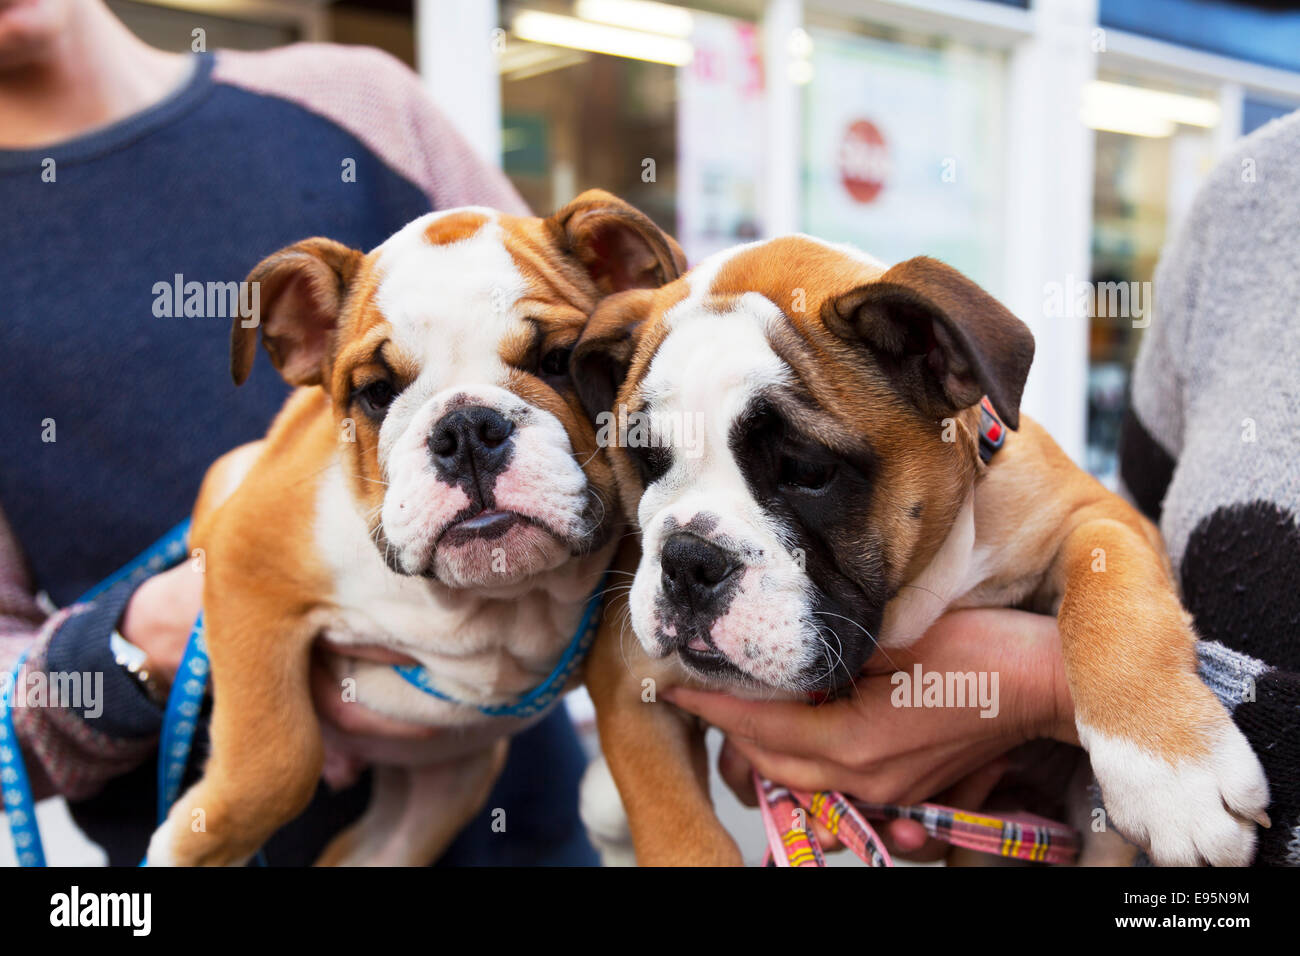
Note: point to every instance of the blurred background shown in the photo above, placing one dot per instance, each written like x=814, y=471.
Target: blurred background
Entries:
x=1045, y=147
x=1048, y=148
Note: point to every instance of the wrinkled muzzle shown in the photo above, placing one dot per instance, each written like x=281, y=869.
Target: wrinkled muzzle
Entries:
x=727, y=599
x=483, y=490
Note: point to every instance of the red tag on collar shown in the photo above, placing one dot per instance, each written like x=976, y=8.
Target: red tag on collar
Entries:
x=992, y=432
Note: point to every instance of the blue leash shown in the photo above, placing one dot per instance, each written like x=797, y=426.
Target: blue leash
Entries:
x=180, y=720
x=17, y=791
x=14, y=783
x=541, y=696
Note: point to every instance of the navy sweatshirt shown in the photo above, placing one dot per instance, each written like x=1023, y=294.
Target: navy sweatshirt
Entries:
x=110, y=413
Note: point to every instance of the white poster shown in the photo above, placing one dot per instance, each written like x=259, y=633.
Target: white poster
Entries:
x=719, y=137
x=903, y=151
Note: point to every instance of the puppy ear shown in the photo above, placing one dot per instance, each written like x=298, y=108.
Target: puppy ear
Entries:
x=944, y=340
x=618, y=244
x=300, y=291
x=601, y=358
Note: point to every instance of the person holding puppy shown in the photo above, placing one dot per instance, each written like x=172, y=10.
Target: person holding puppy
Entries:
x=1210, y=452
x=129, y=175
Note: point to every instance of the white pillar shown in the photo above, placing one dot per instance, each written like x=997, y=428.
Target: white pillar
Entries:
x=456, y=46
x=783, y=131
x=1050, y=154
x=1232, y=104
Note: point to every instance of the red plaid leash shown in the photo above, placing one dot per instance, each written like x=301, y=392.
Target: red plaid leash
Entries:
x=790, y=840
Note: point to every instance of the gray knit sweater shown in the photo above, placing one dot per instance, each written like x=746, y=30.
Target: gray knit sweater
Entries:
x=1211, y=449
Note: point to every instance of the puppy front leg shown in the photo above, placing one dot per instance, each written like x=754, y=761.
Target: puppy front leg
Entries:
x=656, y=756
x=416, y=812
x=655, y=752
x=266, y=745
x=1176, y=774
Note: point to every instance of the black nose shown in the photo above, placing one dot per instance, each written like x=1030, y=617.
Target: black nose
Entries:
x=695, y=572
x=473, y=437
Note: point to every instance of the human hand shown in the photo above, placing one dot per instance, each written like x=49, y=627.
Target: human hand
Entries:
x=350, y=729
x=864, y=745
x=349, y=717
x=160, y=617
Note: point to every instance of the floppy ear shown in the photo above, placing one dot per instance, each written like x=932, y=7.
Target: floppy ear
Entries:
x=618, y=244
x=601, y=358
x=300, y=291
x=944, y=340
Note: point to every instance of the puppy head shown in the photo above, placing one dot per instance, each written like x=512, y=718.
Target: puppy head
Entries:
x=796, y=431
x=445, y=354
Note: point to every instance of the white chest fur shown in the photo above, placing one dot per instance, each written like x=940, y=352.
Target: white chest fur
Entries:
x=953, y=572
x=479, y=647
x=967, y=571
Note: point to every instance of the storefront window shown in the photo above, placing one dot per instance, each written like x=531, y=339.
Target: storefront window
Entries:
x=903, y=150
x=682, y=141
x=1147, y=172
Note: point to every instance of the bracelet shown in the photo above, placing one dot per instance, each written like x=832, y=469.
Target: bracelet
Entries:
x=135, y=662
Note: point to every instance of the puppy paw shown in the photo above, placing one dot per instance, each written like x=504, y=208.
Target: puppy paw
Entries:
x=177, y=843
x=1191, y=813
x=601, y=809
x=161, y=844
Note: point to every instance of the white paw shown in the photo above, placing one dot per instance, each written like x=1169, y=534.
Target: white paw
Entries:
x=601, y=810
x=1195, y=812
x=171, y=845
x=162, y=844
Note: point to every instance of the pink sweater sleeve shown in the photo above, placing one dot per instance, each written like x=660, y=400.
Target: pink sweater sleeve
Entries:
x=62, y=752
x=380, y=101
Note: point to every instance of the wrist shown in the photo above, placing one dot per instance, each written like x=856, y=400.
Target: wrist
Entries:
x=137, y=665
x=1036, y=678
x=82, y=645
x=152, y=622
x=1062, y=726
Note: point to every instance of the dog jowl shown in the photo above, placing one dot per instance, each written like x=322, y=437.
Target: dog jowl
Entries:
x=451, y=367
x=820, y=482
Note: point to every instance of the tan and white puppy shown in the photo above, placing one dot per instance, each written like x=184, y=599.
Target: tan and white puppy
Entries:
x=432, y=487
x=832, y=499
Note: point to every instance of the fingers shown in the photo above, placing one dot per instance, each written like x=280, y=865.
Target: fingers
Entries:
x=797, y=773
x=736, y=773
x=907, y=838
x=827, y=840
x=353, y=718
x=791, y=727
x=971, y=791
x=365, y=652
x=160, y=616
x=340, y=769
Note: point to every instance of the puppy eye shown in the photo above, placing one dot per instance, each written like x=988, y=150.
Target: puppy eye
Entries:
x=652, y=462
x=804, y=475
x=376, y=397
x=556, y=362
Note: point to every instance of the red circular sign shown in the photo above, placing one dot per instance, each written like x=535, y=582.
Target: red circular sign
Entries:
x=864, y=161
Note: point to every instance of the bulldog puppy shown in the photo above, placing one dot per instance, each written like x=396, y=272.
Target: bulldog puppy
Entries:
x=809, y=486
x=432, y=487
